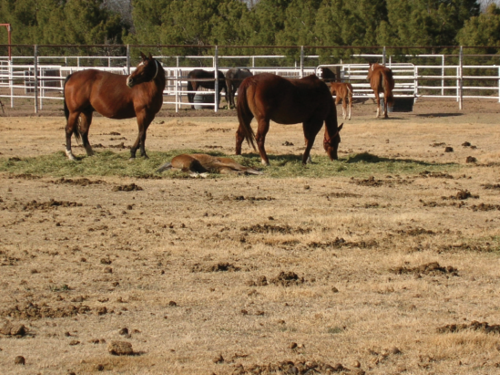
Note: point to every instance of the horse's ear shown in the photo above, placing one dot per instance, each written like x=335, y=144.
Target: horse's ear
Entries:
x=143, y=56
x=150, y=56
x=340, y=127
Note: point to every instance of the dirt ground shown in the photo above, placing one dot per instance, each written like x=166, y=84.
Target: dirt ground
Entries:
x=384, y=274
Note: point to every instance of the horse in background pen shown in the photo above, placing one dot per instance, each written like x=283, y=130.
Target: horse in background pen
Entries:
x=234, y=77
x=381, y=81
x=342, y=91
x=202, y=78
x=327, y=75
x=114, y=96
x=287, y=101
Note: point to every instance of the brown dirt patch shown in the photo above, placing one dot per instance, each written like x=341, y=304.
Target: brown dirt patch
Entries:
x=472, y=326
x=85, y=261
x=433, y=269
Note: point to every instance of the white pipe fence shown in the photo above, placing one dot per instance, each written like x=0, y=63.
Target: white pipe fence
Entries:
x=43, y=82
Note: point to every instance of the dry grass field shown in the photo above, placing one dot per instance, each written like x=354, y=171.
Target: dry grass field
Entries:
x=383, y=271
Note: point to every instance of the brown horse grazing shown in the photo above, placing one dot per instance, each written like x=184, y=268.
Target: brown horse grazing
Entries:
x=287, y=101
x=342, y=91
x=114, y=96
x=203, y=163
x=202, y=78
x=381, y=80
x=234, y=77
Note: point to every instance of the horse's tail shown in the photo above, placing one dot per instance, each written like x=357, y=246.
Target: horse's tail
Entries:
x=245, y=115
x=388, y=84
x=349, y=91
x=66, y=110
x=76, y=130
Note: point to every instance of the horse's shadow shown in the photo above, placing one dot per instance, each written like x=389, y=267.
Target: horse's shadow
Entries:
x=365, y=157
x=391, y=118
x=277, y=160
x=431, y=115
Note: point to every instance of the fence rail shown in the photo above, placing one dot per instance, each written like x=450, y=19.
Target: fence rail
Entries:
x=41, y=78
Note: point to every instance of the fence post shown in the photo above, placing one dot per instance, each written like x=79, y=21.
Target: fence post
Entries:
x=216, y=73
x=35, y=62
x=11, y=82
x=415, y=83
x=383, y=56
x=442, y=75
x=460, y=80
x=128, y=59
x=499, y=85
x=301, y=62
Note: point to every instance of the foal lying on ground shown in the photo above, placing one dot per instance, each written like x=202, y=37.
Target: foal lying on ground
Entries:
x=203, y=164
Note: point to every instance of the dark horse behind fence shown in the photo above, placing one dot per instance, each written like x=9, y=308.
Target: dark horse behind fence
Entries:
x=202, y=78
x=381, y=81
x=327, y=75
x=114, y=96
x=287, y=101
x=234, y=77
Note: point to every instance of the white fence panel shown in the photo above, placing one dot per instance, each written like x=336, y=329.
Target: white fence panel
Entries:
x=18, y=81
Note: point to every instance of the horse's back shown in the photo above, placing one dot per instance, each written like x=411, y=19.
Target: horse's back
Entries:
x=380, y=77
x=287, y=101
x=104, y=92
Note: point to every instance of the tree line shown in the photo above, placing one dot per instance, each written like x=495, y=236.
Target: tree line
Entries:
x=267, y=23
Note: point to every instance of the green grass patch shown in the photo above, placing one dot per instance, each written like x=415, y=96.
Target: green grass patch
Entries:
x=108, y=163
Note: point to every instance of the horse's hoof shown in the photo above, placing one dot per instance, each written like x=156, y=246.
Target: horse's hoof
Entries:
x=70, y=155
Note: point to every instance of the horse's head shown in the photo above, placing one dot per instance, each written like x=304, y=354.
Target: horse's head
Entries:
x=331, y=144
x=146, y=71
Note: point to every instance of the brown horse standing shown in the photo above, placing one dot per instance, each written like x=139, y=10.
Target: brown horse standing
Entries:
x=287, y=101
x=114, y=96
x=342, y=91
x=234, y=77
x=381, y=80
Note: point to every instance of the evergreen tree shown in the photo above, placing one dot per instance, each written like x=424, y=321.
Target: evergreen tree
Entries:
x=268, y=19
x=148, y=18
x=425, y=22
x=482, y=30
x=87, y=22
x=298, y=26
x=65, y=22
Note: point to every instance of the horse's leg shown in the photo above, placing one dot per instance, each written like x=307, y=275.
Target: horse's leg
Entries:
x=311, y=129
x=385, y=106
x=260, y=137
x=344, y=106
x=349, y=95
x=143, y=121
x=192, y=86
x=71, y=127
x=230, y=94
x=84, y=126
x=337, y=101
x=377, y=100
